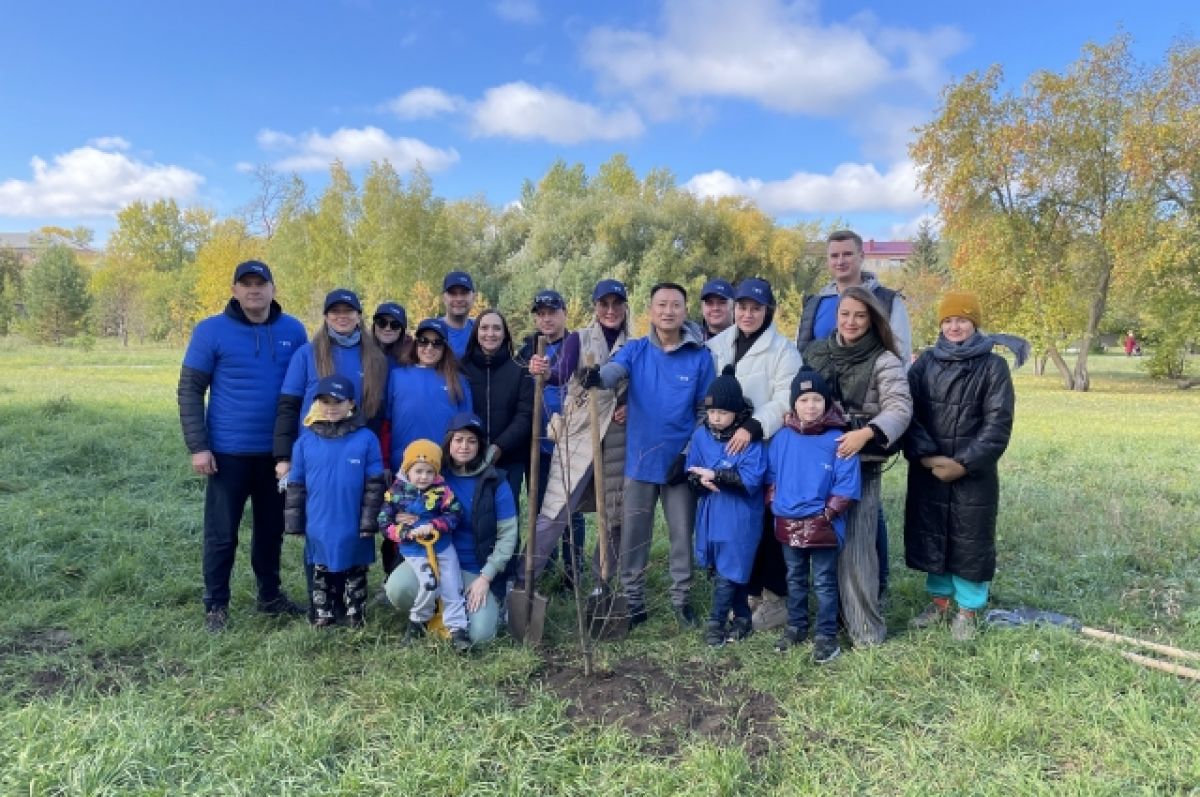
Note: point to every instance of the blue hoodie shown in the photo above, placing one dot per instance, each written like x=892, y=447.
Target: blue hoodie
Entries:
x=806, y=470
x=666, y=393
x=335, y=472
x=302, y=376
x=419, y=406
x=729, y=522
x=247, y=363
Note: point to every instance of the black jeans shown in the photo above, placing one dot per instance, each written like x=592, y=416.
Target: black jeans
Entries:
x=239, y=478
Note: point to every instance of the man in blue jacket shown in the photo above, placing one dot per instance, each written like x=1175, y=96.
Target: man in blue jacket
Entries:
x=669, y=372
x=239, y=359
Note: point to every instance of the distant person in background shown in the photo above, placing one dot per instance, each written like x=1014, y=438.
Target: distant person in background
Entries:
x=1131, y=344
x=239, y=358
x=334, y=490
x=458, y=297
x=963, y=405
x=716, y=307
x=389, y=325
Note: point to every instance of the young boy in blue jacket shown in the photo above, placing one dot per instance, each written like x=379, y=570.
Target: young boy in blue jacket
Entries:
x=811, y=488
x=334, y=490
x=729, y=513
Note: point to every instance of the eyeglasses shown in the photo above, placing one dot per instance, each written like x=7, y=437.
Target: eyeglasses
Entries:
x=388, y=323
x=430, y=343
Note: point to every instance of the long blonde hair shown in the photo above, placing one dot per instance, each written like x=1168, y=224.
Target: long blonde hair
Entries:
x=374, y=366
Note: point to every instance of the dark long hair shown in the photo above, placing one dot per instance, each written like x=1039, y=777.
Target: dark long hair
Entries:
x=879, y=318
x=448, y=367
x=473, y=344
x=374, y=365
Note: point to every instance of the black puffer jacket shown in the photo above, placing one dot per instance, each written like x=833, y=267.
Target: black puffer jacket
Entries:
x=962, y=410
x=503, y=400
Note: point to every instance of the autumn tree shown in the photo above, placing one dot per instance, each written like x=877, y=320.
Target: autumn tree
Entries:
x=1035, y=184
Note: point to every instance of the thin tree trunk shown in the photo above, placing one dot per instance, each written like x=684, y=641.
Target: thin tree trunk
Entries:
x=1064, y=370
x=1095, y=313
x=1039, y=365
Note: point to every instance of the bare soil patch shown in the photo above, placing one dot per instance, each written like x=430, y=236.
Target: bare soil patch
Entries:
x=663, y=709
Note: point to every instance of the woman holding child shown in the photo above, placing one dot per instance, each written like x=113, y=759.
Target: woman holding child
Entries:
x=861, y=363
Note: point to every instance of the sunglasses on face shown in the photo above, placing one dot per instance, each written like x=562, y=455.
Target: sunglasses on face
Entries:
x=388, y=323
x=430, y=343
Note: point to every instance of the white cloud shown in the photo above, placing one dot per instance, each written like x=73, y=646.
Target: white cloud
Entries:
x=779, y=55
x=354, y=147
x=423, y=103
x=851, y=187
x=93, y=181
x=523, y=11
x=519, y=110
x=907, y=230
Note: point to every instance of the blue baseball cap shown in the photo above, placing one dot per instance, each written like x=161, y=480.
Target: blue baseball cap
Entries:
x=756, y=289
x=610, y=288
x=336, y=387
x=466, y=420
x=342, y=296
x=716, y=287
x=548, y=298
x=458, y=279
x=394, y=311
x=437, y=325
x=252, y=268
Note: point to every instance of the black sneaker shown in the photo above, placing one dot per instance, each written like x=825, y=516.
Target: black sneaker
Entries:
x=714, y=634
x=460, y=640
x=686, y=617
x=740, y=628
x=216, y=619
x=790, y=638
x=414, y=631
x=637, y=616
x=280, y=606
x=825, y=650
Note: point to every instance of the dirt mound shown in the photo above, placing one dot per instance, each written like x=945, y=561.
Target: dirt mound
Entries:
x=664, y=709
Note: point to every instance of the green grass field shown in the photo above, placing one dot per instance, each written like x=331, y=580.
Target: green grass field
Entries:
x=110, y=685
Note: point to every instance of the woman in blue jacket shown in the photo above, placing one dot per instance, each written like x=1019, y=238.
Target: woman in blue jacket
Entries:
x=339, y=347
x=425, y=393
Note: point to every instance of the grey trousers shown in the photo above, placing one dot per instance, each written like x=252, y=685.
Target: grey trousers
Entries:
x=679, y=509
x=858, y=565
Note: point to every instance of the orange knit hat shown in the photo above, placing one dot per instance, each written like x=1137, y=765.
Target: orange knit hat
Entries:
x=421, y=451
x=963, y=304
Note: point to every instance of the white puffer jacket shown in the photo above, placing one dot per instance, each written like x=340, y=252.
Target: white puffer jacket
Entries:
x=765, y=373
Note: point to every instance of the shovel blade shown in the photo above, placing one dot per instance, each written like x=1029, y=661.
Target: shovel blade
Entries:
x=607, y=615
x=527, y=615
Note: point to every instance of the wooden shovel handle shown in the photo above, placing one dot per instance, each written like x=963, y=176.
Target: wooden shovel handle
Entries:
x=598, y=476
x=1163, y=666
x=1166, y=650
x=535, y=466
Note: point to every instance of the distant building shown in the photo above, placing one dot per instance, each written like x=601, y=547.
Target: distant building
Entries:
x=882, y=257
x=28, y=244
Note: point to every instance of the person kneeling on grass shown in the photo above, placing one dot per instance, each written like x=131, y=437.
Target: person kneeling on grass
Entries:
x=811, y=488
x=962, y=420
x=334, y=488
x=420, y=506
x=730, y=507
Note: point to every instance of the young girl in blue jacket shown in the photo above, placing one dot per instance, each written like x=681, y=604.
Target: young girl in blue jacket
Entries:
x=811, y=488
x=334, y=490
x=729, y=513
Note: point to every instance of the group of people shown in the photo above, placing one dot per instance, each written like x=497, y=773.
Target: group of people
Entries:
x=765, y=454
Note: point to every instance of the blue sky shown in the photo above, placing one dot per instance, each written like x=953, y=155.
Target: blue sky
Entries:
x=805, y=107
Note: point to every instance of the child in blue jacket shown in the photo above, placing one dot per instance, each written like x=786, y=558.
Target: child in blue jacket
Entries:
x=811, y=488
x=420, y=506
x=729, y=513
x=334, y=489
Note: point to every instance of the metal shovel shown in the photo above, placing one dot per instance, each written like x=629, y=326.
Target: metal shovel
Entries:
x=527, y=608
x=607, y=612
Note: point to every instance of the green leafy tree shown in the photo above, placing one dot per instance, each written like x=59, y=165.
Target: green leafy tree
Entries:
x=10, y=286
x=56, y=296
